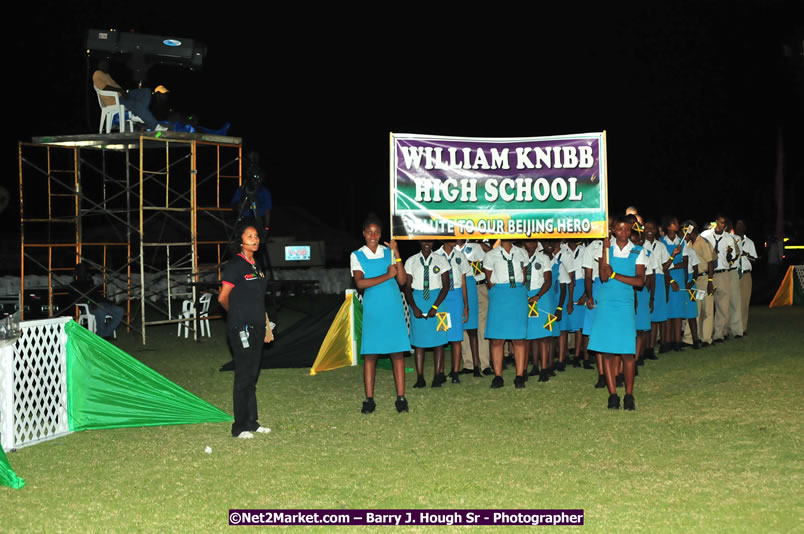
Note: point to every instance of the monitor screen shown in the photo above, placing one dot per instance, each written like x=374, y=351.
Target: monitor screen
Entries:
x=297, y=253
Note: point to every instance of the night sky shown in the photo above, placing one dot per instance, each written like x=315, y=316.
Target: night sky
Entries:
x=691, y=94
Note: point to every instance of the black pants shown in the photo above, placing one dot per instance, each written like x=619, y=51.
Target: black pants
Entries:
x=246, y=372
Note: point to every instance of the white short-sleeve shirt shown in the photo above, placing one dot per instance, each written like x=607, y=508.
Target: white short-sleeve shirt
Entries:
x=720, y=242
x=354, y=263
x=566, y=260
x=459, y=265
x=748, y=249
x=659, y=255
x=642, y=258
x=475, y=254
x=538, y=264
x=437, y=264
x=496, y=262
x=591, y=253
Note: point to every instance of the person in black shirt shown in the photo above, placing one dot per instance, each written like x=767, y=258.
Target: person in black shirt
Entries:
x=242, y=295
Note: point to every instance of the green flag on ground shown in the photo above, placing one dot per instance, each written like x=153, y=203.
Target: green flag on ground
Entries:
x=7, y=475
x=107, y=388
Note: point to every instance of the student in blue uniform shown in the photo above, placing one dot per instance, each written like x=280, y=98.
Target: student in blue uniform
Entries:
x=508, y=307
x=693, y=266
x=378, y=272
x=538, y=281
x=677, y=271
x=426, y=289
x=566, y=302
x=457, y=301
x=592, y=285
x=622, y=268
x=478, y=295
x=643, y=295
x=575, y=323
x=660, y=260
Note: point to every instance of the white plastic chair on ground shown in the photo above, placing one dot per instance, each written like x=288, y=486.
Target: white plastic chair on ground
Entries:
x=126, y=118
x=91, y=323
x=188, y=313
x=85, y=318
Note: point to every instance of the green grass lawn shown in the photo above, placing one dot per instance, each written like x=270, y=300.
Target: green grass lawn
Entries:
x=714, y=446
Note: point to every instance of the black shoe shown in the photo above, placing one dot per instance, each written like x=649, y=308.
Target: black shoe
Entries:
x=717, y=341
x=476, y=373
x=636, y=371
x=368, y=406
x=705, y=344
x=466, y=371
x=519, y=382
x=551, y=371
x=664, y=347
x=614, y=402
x=696, y=345
x=441, y=378
x=487, y=371
x=601, y=382
x=641, y=361
x=561, y=367
x=619, y=381
x=401, y=404
x=651, y=355
x=576, y=362
x=456, y=379
x=497, y=382
x=534, y=371
x=628, y=403
x=738, y=337
x=677, y=347
x=588, y=365
x=436, y=383
x=420, y=383
x=544, y=376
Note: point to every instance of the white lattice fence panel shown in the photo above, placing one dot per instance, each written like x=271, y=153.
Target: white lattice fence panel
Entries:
x=800, y=274
x=39, y=384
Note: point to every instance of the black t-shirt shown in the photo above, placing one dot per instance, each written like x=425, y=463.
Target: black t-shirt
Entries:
x=247, y=299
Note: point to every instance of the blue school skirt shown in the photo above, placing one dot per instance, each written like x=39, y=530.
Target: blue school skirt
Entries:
x=471, y=294
x=423, y=332
x=659, y=313
x=508, y=312
x=454, y=305
x=536, y=329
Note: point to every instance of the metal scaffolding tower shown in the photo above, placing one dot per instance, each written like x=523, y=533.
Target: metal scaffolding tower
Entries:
x=150, y=211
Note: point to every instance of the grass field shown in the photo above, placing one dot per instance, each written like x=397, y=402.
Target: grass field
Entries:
x=714, y=446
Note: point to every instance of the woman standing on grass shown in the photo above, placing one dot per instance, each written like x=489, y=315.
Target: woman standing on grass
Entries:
x=613, y=334
x=427, y=287
x=242, y=295
x=508, y=308
x=378, y=272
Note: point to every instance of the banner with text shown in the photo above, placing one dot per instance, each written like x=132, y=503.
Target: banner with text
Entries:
x=510, y=188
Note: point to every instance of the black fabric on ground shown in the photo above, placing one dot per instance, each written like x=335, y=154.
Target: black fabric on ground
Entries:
x=298, y=345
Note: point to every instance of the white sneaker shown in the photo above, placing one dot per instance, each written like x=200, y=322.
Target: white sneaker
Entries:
x=245, y=435
x=263, y=430
x=161, y=128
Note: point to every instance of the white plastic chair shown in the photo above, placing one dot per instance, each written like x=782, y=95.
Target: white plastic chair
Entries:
x=108, y=113
x=91, y=323
x=85, y=318
x=188, y=313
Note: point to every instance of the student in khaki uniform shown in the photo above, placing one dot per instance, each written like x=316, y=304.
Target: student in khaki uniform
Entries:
x=748, y=255
x=735, y=326
x=474, y=347
x=704, y=281
x=723, y=244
